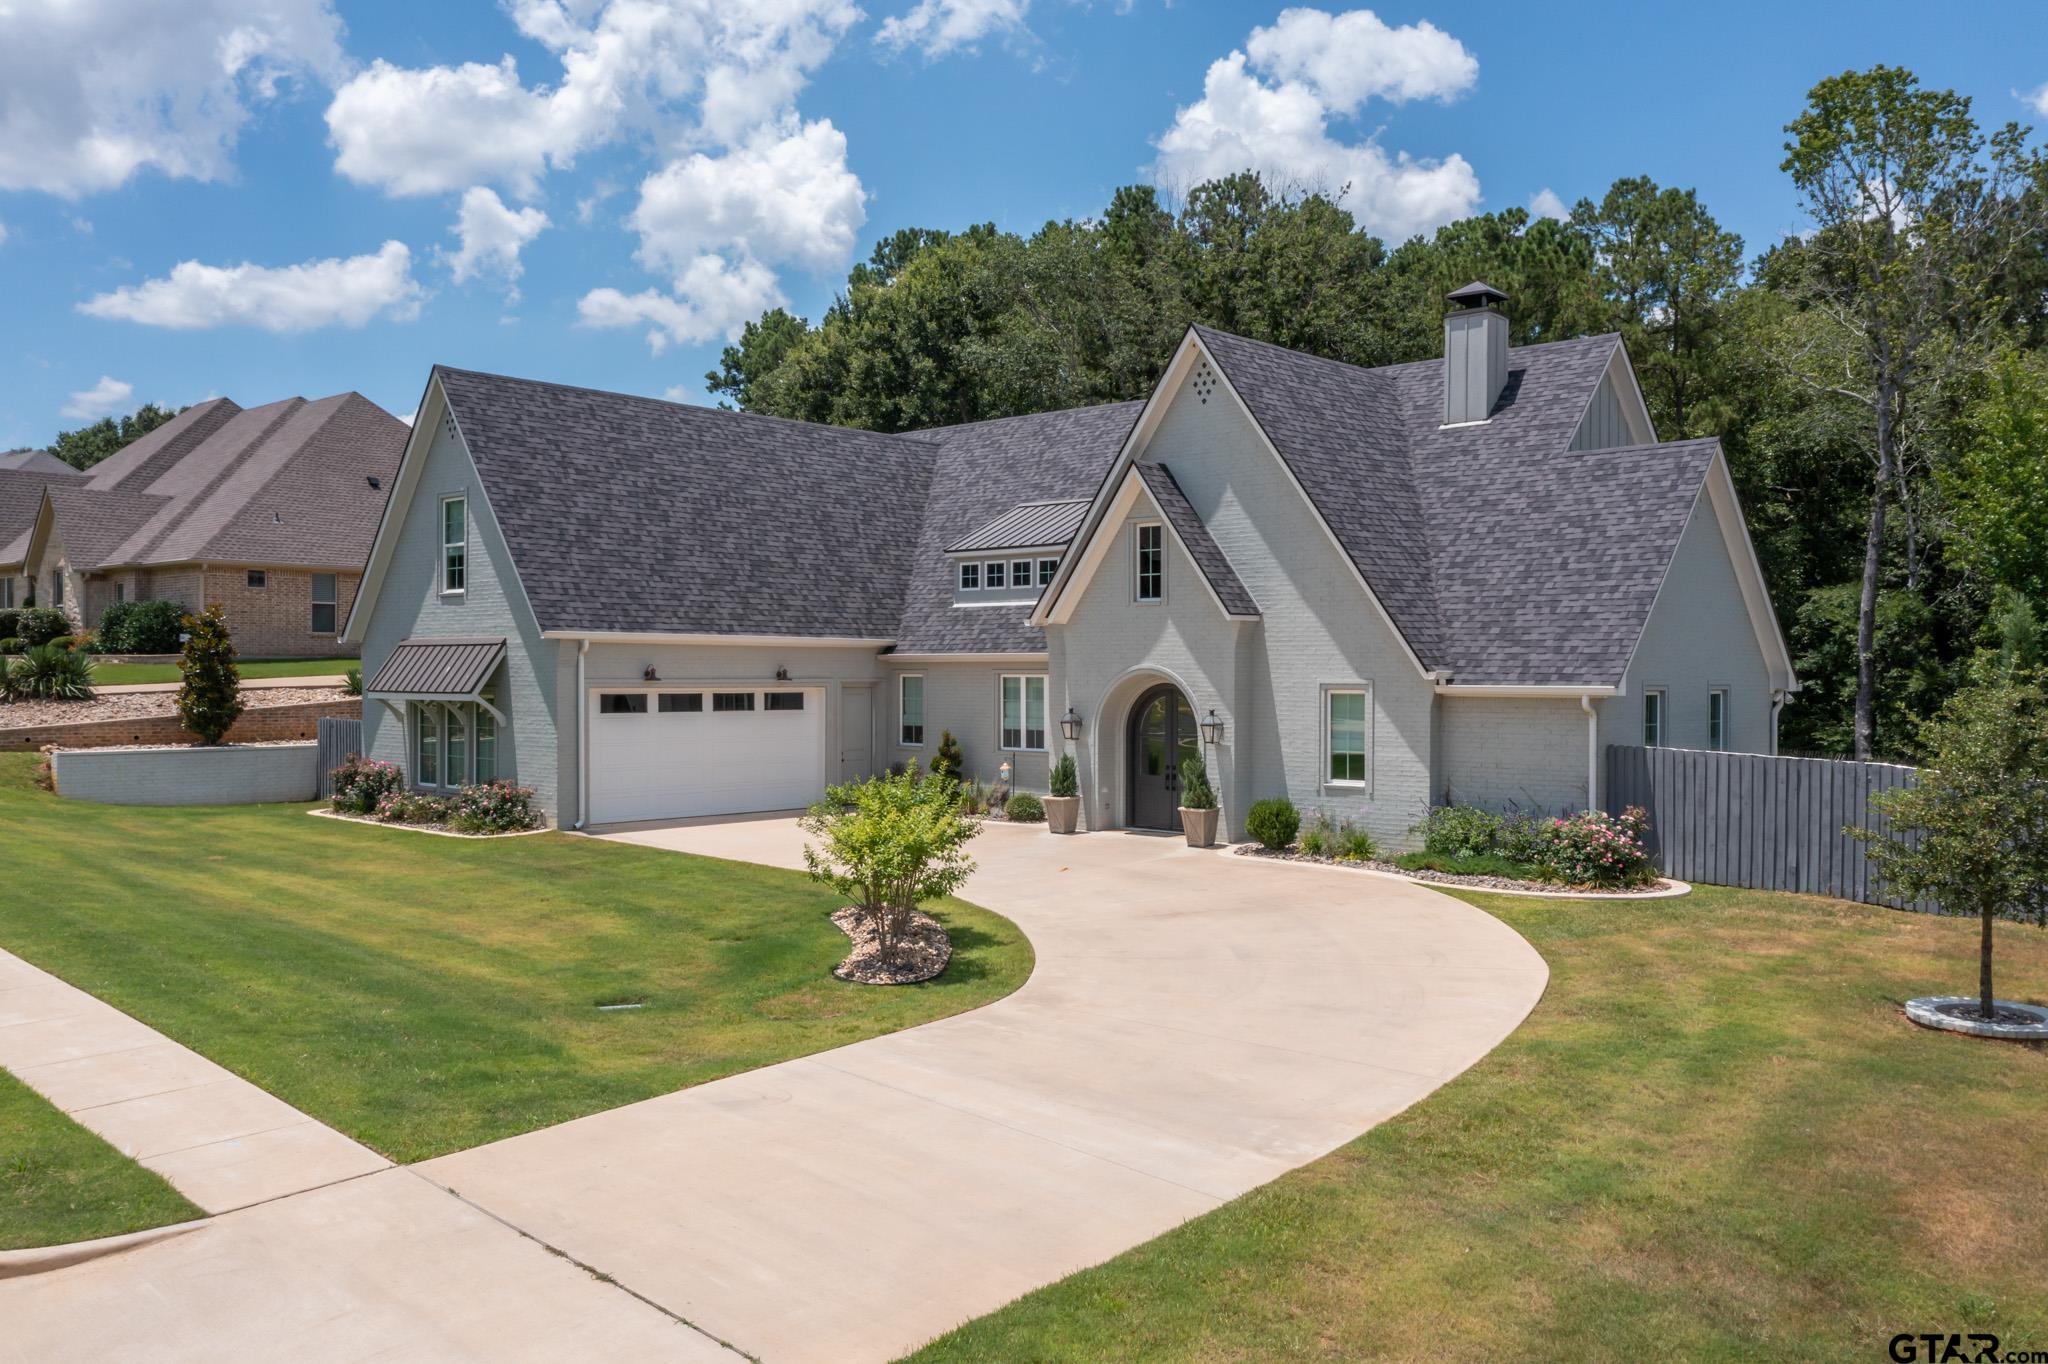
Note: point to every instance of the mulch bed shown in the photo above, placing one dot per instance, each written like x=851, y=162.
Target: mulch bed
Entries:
x=920, y=953
x=143, y=705
x=1447, y=878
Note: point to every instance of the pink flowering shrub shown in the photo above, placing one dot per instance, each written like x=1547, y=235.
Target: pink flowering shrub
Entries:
x=360, y=783
x=1596, y=849
x=409, y=807
x=493, y=807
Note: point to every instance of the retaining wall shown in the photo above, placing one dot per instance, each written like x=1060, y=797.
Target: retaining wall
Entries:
x=228, y=775
x=257, y=725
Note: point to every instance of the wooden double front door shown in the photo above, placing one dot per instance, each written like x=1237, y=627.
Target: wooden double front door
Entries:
x=1162, y=737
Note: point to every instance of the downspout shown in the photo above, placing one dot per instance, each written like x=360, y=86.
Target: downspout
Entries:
x=1592, y=750
x=1779, y=696
x=582, y=725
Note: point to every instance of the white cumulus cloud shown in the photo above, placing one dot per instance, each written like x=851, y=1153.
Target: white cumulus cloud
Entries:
x=1545, y=203
x=492, y=237
x=93, y=91
x=103, y=399
x=713, y=297
x=626, y=65
x=939, y=27
x=1281, y=128
x=1349, y=58
x=2039, y=100
x=337, y=291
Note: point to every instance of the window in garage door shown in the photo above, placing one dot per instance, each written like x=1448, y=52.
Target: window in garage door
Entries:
x=785, y=700
x=622, y=703
x=732, y=700
x=682, y=702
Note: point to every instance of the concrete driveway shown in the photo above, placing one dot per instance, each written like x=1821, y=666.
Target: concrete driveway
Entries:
x=1198, y=1023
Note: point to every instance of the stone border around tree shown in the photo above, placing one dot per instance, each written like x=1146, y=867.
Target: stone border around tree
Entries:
x=426, y=828
x=1930, y=1012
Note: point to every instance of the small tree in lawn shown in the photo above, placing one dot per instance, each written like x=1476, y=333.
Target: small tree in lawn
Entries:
x=211, y=700
x=949, y=762
x=1973, y=835
x=888, y=843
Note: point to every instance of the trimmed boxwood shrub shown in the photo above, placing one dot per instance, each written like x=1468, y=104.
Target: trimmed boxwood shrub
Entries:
x=140, y=627
x=1024, y=808
x=13, y=644
x=1274, y=822
x=41, y=624
x=10, y=622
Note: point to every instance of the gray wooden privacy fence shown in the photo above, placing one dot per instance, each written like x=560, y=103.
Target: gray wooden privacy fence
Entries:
x=338, y=738
x=1748, y=819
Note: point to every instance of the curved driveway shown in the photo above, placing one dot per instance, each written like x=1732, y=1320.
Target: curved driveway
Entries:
x=1198, y=1023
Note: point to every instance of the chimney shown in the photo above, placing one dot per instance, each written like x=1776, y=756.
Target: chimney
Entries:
x=1475, y=352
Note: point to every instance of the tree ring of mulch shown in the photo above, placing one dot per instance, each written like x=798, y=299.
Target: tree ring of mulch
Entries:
x=921, y=953
x=2010, y=1020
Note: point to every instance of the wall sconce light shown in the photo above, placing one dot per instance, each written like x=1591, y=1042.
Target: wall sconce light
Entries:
x=1212, y=730
x=1070, y=724
x=782, y=674
x=647, y=674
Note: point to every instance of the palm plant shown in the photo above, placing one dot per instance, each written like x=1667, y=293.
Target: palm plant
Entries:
x=51, y=672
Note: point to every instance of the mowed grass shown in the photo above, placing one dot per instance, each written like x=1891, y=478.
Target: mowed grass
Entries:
x=60, y=1183
x=1715, y=1138
x=123, y=674
x=425, y=994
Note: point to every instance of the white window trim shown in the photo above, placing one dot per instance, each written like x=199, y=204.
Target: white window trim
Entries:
x=924, y=699
x=1048, y=569
x=1024, y=711
x=1138, y=529
x=961, y=578
x=312, y=580
x=441, y=531
x=478, y=720
x=1719, y=745
x=1030, y=572
x=1663, y=700
x=1323, y=778
x=988, y=582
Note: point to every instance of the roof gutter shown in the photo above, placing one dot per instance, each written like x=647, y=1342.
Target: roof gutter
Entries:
x=582, y=740
x=590, y=637
x=1592, y=750
x=1567, y=693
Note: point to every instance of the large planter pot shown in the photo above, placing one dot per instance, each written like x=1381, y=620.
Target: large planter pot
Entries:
x=1062, y=813
x=1199, y=826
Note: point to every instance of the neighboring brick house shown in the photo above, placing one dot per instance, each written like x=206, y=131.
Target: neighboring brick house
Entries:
x=267, y=512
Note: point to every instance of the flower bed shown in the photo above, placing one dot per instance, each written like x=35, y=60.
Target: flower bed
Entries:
x=376, y=792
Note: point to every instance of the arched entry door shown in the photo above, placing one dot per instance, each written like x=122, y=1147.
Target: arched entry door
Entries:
x=1162, y=737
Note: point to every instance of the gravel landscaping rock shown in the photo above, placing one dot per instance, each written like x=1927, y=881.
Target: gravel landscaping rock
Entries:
x=1454, y=879
x=141, y=705
x=920, y=954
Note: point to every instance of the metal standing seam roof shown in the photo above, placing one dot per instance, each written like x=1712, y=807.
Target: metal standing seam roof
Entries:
x=454, y=666
x=1028, y=525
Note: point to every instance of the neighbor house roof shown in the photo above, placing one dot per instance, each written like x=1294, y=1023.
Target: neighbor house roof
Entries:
x=36, y=462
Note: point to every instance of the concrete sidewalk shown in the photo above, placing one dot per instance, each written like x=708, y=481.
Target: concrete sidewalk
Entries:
x=220, y=1141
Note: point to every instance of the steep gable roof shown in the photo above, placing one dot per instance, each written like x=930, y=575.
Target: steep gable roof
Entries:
x=634, y=515
x=36, y=462
x=1195, y=538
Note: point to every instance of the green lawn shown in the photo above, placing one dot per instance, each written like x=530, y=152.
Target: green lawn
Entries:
x=1715, y=1138
x=122, y=674
x=60, y=1183
x=429, y=994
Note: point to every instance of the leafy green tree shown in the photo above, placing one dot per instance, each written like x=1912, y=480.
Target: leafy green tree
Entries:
x=88, y=445
x=1915, y=673
x=763, y=345
x=888, y=844
x=1997, y=487
x=1667, y=271
x=1972, y=836
x=1917, y=215
x=210, y=698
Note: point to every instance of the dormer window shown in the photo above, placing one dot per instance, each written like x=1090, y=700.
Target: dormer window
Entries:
x=970, y=577
x=1020, y=573
x=1046, y=568
x=992, y=574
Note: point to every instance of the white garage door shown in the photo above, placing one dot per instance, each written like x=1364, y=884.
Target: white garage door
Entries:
x=672, y=754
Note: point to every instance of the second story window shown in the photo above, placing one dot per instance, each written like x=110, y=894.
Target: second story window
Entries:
x=454, y=544
x=1046, y=568
x=970, y=577
x=1151, y=563
x=56, y=587
x=992, y=573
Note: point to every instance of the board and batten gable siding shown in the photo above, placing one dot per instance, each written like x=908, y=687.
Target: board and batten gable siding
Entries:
x=1513, y=754
x=1603, y=427
x=1114, y=648
x=1318, y=628
x=410, y=605
x=965, y=698
x=1699, y=637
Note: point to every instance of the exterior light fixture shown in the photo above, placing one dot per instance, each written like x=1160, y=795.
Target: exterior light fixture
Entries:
x=1212, y=730
x=1070, y=724
x=782, y=674
x=647, y=674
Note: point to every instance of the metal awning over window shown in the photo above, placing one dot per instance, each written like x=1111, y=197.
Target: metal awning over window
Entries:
x=451, y=668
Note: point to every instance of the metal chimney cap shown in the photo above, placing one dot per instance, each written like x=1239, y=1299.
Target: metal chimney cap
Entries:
x=1477, y=294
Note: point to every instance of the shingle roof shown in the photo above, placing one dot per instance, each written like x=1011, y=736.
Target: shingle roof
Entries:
x=21, y=497
x=448, y=666
x=36, y=462
x=633, y=514
x=93, y=522
x=1028, y=525
x=1201, y=546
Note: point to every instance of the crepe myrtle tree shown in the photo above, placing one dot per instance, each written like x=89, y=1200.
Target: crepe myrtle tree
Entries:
x=210, y=700
x=1973, y=835
x=889, y=843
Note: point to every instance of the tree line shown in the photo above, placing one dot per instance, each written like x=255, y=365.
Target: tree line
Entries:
x=1880, y=383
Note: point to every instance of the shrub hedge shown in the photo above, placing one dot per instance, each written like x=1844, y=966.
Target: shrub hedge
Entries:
x=1274, y=822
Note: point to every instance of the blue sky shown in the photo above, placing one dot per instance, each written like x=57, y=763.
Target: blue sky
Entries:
x=267, y=197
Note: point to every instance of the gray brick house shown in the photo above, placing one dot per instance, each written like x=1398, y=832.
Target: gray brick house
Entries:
x=266, y=511
x=1455, y=580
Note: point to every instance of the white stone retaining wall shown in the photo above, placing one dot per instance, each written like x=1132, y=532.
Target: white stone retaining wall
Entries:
x=232, y=774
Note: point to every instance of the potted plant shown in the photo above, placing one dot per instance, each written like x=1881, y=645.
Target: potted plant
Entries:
x=1063, y=806
x=1197, y=805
